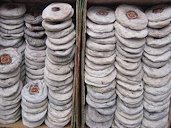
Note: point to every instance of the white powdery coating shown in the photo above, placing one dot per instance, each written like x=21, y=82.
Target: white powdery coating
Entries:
x=15, y=60
x=101, y=15
x=159, y=16
x=17, y=10
x=129, y=33
x=138, y=23
x=37, y=97
x=57, y=12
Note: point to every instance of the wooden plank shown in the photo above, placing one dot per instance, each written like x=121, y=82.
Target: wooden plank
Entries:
x=77, y=65
x=170, y=116
x=142, y=2
x=19, y=124
x=101, y=1
x=43, y=1
x=83, y=88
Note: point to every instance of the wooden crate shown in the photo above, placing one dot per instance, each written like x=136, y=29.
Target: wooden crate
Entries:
x=85, y=5
x=76, y=86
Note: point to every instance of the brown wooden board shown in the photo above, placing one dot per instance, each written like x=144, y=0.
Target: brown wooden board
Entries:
x=128, y=1
x=170, y=116
x=44, y=1
x=83, y=89
x=19, y=124
x=78, y=65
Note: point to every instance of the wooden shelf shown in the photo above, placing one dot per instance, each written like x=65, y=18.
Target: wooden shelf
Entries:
x=43, y=1
x=19, y=124
x=142, y=2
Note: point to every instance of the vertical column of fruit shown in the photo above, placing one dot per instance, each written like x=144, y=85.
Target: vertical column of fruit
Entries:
x=131, y=30
x=35, y=49
x=59, y=63
x=100, y=71
x=34, y=103
x=157, y=67
x=12, y=29
x=10, y=85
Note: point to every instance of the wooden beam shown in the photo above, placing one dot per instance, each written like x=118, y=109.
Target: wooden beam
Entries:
x=128, y=1
x=43, y=1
